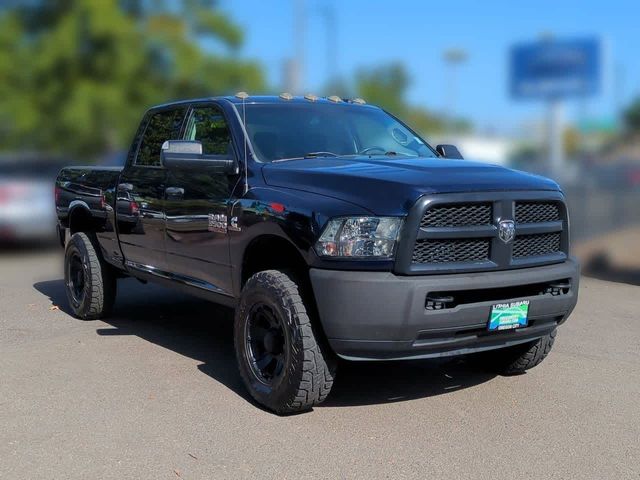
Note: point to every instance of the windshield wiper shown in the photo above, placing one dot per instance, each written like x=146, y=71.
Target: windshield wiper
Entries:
x=308, y=155
x=389, y=153
x=320, y=154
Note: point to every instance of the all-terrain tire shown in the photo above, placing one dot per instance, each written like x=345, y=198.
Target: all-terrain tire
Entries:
x=94, y=298
x=309, y=367
x=519, y=358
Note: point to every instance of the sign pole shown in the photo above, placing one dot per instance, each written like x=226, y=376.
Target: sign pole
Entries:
x=554, y=70
x=555, y=141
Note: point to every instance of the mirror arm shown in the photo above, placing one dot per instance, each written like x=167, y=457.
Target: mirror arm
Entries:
x=448, y=151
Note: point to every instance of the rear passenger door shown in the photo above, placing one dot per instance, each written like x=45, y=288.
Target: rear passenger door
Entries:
x=197, y=204
x=141, y=192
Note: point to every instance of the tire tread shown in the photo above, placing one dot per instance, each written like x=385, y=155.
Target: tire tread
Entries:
x=317, y=368
x=520, y=358
x=101, y=296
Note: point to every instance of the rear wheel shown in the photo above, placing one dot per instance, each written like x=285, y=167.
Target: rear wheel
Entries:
x=519, y=358
x=90, y=283
x=281, y=360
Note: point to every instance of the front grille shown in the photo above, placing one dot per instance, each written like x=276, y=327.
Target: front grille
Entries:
x=451, y=251
x=457, y=234
x=536, y=245
x=457, y=215
x=537, y=212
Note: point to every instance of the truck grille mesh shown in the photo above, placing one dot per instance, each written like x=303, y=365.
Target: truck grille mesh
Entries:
x=536, y=212
x=451, y=251
x=457, y=215
x=465, y=235
x=535, y=245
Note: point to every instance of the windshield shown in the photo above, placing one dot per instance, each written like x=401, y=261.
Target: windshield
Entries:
x=289, y=131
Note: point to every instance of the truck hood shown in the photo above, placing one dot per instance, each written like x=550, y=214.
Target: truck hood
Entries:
x=391, y=186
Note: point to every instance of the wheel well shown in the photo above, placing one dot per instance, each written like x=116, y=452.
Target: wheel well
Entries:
x=80, y=220
x=270, y=252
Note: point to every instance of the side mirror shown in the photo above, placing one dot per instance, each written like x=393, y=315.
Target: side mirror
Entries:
x=448, y=151
x=187, y=154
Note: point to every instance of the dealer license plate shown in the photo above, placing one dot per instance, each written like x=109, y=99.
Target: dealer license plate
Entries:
x=505, y=316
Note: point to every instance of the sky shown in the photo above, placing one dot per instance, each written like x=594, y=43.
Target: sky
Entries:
x=416, y=33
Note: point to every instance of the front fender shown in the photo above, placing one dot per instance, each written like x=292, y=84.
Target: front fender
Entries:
x=295, y=216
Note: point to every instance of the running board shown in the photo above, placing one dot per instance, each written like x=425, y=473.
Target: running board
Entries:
x=174, y=277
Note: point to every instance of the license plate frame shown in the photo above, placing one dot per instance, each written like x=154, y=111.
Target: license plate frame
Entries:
x=508, y=316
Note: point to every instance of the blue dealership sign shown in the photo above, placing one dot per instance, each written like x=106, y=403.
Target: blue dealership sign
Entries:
x=553, y=69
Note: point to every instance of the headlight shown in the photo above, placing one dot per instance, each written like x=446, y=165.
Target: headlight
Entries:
x=362, y=237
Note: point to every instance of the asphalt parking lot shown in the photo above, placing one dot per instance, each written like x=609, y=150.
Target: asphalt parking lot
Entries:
x=153, y=393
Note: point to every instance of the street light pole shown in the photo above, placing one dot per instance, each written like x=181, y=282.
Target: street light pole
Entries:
x=555, y=141
x=329, y=15
x=452, y=57
x=299, y=30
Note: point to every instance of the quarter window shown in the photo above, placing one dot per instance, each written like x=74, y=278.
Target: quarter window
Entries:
x=162, y=126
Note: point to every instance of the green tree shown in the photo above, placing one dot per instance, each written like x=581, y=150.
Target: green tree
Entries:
x=632, y=116
x=76, y=75
x=386, y=86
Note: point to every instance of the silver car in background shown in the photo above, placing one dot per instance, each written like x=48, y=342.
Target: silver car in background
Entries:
x=27, y=203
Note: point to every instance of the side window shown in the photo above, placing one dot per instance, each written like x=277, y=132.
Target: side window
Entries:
x=208, y=126
x=136, y=140
x=162, y=126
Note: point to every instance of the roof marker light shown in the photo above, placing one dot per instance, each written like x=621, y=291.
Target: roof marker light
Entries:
x=311, y=97
x=359, y=101
x=242, y=95
x=286, y=96
x=334, y=98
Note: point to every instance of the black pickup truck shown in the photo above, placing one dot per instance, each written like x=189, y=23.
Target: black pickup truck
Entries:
x=333, y=229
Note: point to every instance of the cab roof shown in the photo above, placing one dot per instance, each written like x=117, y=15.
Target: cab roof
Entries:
x=266, y=99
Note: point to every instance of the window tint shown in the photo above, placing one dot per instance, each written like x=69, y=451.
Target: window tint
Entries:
x=208, y=126
x=162, y=126
x=131, y=154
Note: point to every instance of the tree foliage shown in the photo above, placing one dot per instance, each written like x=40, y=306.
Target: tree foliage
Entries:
x=76, y=75
x=386, y=86
x=632, y=116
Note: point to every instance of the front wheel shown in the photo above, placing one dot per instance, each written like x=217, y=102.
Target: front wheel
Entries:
x=519, y=358
x=280, y=359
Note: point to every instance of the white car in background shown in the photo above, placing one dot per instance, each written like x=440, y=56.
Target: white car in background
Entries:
x=27, y=206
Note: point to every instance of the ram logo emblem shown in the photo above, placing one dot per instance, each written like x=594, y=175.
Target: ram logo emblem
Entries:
x=506, y=230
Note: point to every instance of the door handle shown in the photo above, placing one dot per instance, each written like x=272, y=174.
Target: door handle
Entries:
x=174, y=191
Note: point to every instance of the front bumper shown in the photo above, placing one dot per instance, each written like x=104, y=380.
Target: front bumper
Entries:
x=382, y=316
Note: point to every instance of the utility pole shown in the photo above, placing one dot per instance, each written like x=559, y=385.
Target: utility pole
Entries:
x=555, y=126
x=452, y=57
x=618, y=90
x=328, y=13
x=555, y=141
x=299, y=30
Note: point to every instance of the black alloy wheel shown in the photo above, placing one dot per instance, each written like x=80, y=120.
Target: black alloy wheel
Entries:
x=90, y=283
x=265, y=344
x=76, y=278
x=283, y=359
